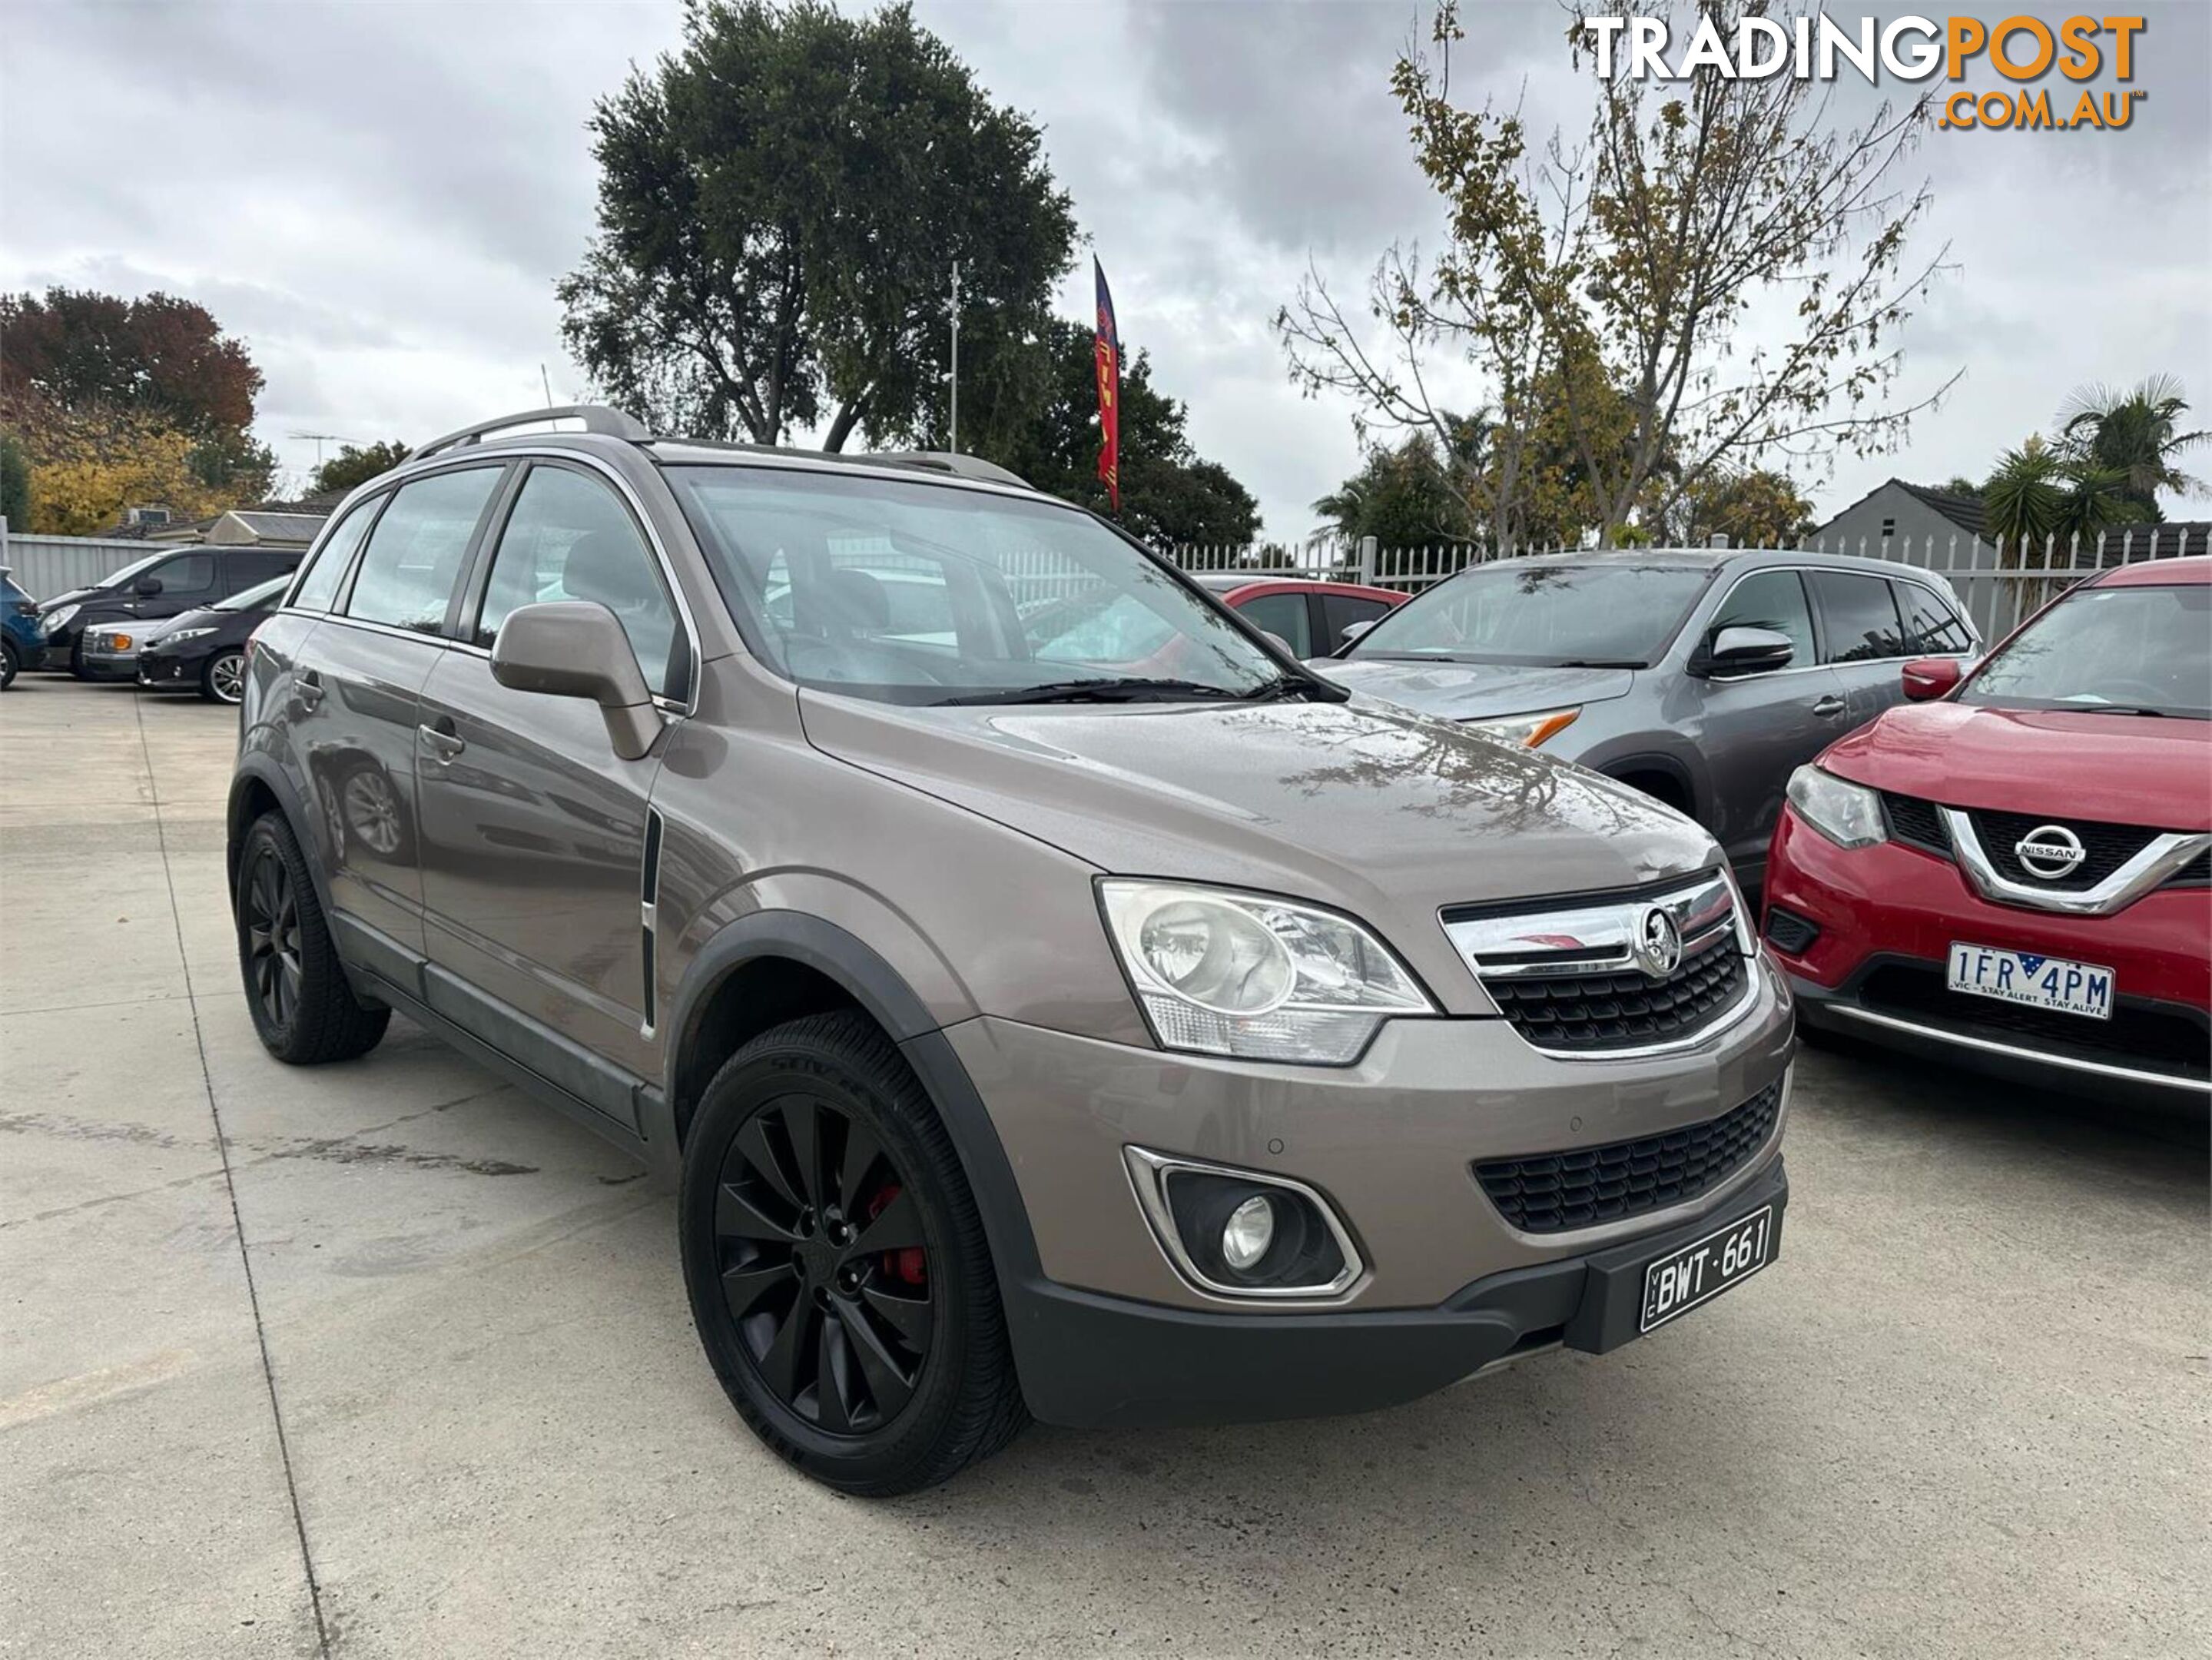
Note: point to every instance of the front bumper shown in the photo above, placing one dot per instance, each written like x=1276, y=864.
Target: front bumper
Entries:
x=1389, y=1142
x=169, y=671
x=1089, y=1359
x=1888, y=915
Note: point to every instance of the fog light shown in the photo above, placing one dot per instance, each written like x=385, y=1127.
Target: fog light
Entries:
x=1250, y=1230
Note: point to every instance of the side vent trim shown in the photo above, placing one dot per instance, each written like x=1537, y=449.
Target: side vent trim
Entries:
x=648, y=896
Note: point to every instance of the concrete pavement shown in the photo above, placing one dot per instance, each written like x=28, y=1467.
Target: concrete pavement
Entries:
x=382, y=1360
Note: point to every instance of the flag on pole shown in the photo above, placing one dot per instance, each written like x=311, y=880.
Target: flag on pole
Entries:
x=1106, y=348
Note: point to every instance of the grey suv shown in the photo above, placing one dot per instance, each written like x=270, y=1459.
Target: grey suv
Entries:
x=1025, y=1036
x=1703, y=678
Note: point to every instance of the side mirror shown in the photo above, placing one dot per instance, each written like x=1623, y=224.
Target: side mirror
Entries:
x=146, y=587
x=1277, y=642
x=1351, y=635
x=1748, y=651
x=575, y=648
x=1929, y=677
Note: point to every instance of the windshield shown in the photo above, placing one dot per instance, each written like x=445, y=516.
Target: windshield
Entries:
x=2136, y=650
x=1541, y=616
x=255, y=598
x=929, y=593
x=122, y=578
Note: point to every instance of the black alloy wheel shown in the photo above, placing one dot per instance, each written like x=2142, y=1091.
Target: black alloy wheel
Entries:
x=836, y=1262
x=268, y=919
x=824, y=1270
x=303, y=1006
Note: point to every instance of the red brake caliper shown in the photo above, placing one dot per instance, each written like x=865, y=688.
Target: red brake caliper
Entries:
x=907, y=1264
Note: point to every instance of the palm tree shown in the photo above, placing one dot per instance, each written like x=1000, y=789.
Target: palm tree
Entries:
x=2133, y=433
x=2038, y=492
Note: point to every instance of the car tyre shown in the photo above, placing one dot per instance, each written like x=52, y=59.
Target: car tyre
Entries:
x=223, y=679
x=303, y=1008
x=8, y=664
x=836, y=1263
x=76, y=659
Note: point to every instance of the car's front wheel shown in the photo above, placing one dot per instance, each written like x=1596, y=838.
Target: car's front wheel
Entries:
x=8, y=664
x=836, y=1263
x=295, y=987
x=223, y=679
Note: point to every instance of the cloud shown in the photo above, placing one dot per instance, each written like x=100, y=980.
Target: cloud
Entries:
x=381, y=198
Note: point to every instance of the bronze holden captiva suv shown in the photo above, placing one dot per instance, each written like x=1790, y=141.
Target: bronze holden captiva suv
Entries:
x=1049, y=998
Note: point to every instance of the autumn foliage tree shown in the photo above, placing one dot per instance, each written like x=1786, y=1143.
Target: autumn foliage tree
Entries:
x=118, y=402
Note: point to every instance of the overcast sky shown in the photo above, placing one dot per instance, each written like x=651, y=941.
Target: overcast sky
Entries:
x=379, y=197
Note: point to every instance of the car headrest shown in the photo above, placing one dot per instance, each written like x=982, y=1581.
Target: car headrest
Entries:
x=602, y=567
x=855, y=601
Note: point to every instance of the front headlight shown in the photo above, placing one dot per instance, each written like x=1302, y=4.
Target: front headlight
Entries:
x=55, y=620
x=1527, y=731
x=185, y=634
x=1225, y=973
x=1848, y=814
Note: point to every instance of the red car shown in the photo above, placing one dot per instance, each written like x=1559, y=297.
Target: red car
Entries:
x=2017, y=874
x=1307, y=614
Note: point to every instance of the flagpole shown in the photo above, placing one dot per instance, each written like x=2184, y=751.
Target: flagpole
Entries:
x=955, y=356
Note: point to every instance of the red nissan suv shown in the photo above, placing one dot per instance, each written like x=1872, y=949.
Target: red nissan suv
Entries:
x=2013, y=870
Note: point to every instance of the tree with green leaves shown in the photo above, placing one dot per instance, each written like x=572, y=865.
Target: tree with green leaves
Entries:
x=1403, y=495
x=2134, y=433
x=14, y=483
x=1170, y=495
x=354, y=466
x=1618, y=272
x=780, y=204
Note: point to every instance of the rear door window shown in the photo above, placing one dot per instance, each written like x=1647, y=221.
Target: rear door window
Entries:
x=415, y=556
x=321, y=582
x=1859, y=616
x=1932, y=629
x=1285, y=616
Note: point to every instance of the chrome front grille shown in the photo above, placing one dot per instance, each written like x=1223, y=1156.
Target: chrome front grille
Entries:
x=1602, y=976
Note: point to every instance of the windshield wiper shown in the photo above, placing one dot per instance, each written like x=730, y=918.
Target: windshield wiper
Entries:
x=1139, y=689
x=1601, y=663
x=1128, y=688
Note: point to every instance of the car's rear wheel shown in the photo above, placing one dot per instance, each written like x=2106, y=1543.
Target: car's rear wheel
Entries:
x=836, y=1263
x=223, y=679
x=295, y=987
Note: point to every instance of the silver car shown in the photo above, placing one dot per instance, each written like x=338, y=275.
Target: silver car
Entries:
x=1701, y=677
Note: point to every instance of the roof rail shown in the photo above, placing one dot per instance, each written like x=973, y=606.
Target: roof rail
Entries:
x=596, y=417
x=963, y=466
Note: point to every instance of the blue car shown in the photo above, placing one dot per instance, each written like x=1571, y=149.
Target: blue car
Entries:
x=19, y=628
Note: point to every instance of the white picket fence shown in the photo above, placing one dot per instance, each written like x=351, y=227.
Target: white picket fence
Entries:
x=1999, y=583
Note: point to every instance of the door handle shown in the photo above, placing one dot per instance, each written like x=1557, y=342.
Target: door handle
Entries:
x=443, y=743
x=1830, y=706
x=309, y=690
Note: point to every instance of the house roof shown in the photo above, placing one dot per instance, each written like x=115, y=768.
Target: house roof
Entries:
x=280, y=526
x=1962, y=510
